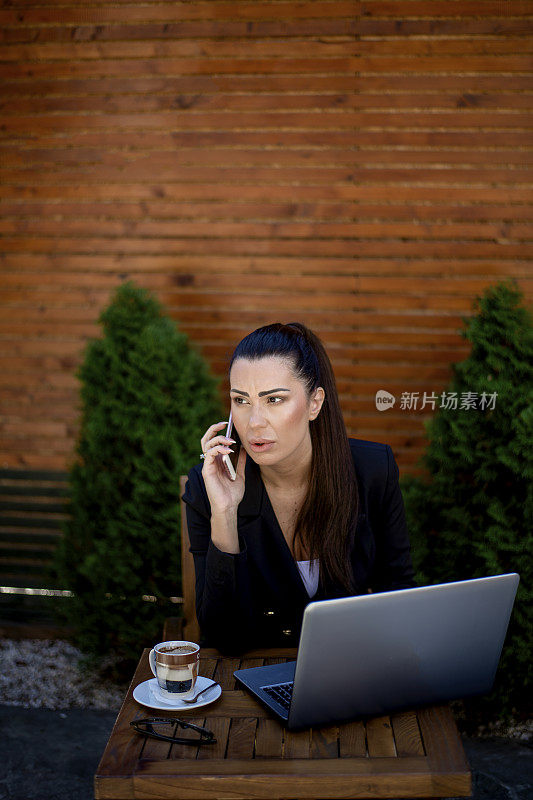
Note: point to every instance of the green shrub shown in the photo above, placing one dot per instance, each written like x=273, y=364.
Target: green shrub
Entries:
x=147, y=398
x=473, y=516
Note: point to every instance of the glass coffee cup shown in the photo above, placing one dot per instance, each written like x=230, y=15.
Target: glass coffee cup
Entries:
x=175, y=665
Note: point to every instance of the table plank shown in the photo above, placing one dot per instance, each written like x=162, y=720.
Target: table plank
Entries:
x=444, y=750
x=297, y=744
x=285, y=653
x=241, y=738
x=249, y=663
x=379, y=737
x=220, y=727
x=273, y=780
x=158, y=751
x=352, y=739
x=407, y=734
x=236, y=703
x=325, y=742
x=185, y=751
x=224, y=672
x=207, y=667
x=268, y=739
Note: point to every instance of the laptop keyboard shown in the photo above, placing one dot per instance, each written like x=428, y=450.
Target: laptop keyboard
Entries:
x=281, y=692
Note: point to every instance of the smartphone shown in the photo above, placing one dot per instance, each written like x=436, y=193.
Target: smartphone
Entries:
x=230, y=459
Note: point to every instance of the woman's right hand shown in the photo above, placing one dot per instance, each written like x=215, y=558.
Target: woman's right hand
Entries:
x=224, y=494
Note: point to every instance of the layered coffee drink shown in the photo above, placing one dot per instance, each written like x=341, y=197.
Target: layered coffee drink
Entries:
x=177, y=680
x=175, y=665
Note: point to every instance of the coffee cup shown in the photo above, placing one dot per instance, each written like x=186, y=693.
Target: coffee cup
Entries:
x=175, y=665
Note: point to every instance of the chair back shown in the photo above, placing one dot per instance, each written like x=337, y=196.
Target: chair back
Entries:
x=191, y=628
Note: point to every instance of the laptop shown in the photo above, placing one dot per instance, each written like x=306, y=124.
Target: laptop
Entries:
x=377, y=653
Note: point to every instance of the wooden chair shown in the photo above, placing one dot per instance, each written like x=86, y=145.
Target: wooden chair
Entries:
x=185, y=627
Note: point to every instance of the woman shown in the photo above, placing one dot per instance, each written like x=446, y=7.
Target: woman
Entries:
x=311, y=513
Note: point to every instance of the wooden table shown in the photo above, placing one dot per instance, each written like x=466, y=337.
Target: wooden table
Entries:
x=410, y=754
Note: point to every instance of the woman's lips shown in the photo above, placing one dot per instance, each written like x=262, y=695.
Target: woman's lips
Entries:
x=261, y=447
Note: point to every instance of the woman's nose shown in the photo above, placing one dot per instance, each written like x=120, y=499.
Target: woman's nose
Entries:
x=257, y=418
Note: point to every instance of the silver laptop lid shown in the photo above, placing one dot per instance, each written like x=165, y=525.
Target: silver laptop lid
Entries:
x=376, y=653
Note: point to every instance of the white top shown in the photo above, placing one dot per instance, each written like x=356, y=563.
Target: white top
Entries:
x=309, y=571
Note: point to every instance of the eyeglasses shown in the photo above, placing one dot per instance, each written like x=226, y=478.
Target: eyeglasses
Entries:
x=146, y=728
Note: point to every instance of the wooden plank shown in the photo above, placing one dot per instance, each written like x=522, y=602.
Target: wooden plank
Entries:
x=361, y=26
x=277, y=779
x=297, y=745
x=283, y=653
x=347, y=320
x=46, y=458
x=46, y=495
x=323, y=248
x=520, y=64
x=335, y=101
x=207, y=666
x=380, y=738
x=224, y=672
x=456, y=129
x=37, y=522
x=422, y=231
x=145, y=787
x=442, y=8
x=454, y=81
x=162, y=275
x=44, y=479
x=313, y=769
x=148, y=47
x=352, y=740
x=268, y=739
x=464, y=193
x=38, y=629
x=153, y=749
x=51, y=160
x=443, y=747
x=298, y=305
x=205, y=66
x=331, y=286
x=36, y=51
x=46, y=539
x=372, y=11
x=378, y=175
x=241, y=738
x=220, y=727
x=173, y=12
x=407, y=735
x=325, y=742
x=219, y=211
x=456, y=25
x=184, y=751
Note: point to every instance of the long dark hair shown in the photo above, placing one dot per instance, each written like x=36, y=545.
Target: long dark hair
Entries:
x=327, y=518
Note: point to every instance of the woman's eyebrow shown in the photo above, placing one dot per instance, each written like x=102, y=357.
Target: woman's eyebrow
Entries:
x=261, y=394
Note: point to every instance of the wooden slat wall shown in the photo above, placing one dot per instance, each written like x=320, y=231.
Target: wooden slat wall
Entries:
x=362, y=167
x=33, y=506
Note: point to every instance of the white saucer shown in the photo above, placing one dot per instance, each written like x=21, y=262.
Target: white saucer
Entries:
x=148, y=694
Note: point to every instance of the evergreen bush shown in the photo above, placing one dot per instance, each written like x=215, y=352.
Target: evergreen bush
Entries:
x=473, y=516
x=147, y=398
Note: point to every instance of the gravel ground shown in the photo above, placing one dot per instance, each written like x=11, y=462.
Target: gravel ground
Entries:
x=44, y=673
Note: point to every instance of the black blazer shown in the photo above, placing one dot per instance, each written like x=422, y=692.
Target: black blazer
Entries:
x=256, y=598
